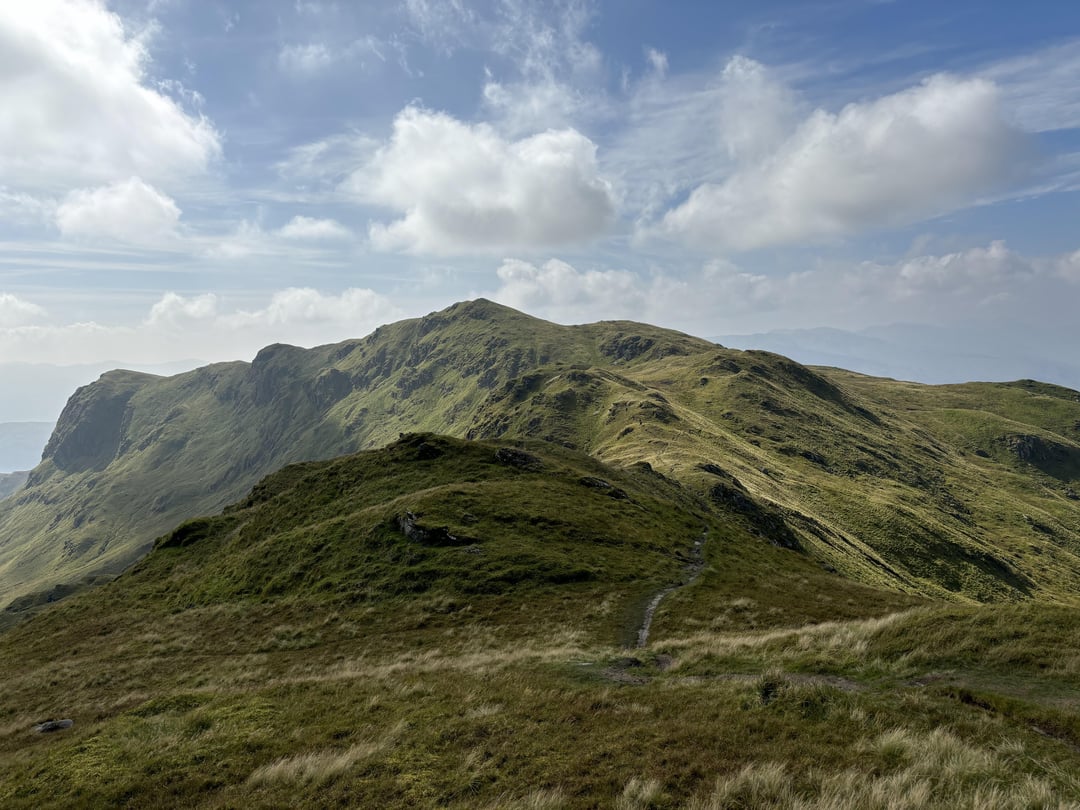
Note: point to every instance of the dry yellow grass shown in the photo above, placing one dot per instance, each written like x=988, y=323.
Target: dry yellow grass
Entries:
x=932, y=771
x=316, y=767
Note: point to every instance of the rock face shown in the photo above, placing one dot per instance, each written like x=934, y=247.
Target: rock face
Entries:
x=1054, y=458
x=90, y=429
x=764, y=521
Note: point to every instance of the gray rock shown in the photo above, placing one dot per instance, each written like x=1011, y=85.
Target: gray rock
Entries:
x=53, y=725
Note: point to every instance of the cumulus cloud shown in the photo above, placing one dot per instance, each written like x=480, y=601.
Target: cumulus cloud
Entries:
x=302, y=307
x=558, y=286
x=301, y=227
x=694, y=301
x=15, y=311
x=463, y=188
x=988, y=282
x=129, y=211
x=78, y=108
x=175, y=311
x=970, y=270
x=889, y=161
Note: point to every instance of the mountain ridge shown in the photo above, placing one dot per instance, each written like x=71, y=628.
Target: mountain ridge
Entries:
x=888, y=483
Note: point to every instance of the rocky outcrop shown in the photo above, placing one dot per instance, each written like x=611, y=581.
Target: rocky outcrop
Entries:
x=410, y=526
x=764, y=521
x=91, y=427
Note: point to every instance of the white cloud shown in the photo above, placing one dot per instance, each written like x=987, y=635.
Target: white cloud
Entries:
x=15, y=311
x=686, y=130
x=891, y=161
x=462, y=188
x=304, y=307
x=1068, y=266
x=558, y=286
x=989, y=282
x=25, y=209
x=305, y=60
x=696, y=301
x=658, y=61
x=555, y=75
x=77, y=106
x=970, y=270
x=1041, y=90
x=175, y=311
x=307, y=228
x=179, y=327
x=442, y=23
x=756, y=112
x=129, y=211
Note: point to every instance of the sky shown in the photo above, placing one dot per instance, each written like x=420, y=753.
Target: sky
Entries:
x=194, y=179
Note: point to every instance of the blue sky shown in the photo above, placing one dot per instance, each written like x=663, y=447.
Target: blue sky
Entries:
x=184, y=179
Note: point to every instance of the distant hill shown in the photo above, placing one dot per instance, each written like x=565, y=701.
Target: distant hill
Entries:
x=10, y=482
x=929, y=354
x=965, y=492
x=21, y=444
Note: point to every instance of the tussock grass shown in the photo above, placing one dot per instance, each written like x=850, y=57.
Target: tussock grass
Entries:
x=542, y=799
x=912, y=772
x=639, y=794
x=316, y=767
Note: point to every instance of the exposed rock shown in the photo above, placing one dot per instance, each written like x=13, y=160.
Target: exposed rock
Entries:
x=608, y=489
x=91, y=427
x=764, y=521
x=517, y=458
x=330, y=386
x=427, y=451
x=437, y=536
x=53, y=725
x=627, y=347
x=1035, y=448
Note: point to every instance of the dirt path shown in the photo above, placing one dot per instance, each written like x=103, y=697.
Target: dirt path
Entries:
x=690, y=573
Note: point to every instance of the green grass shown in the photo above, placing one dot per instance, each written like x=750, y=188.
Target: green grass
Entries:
x=301, y=650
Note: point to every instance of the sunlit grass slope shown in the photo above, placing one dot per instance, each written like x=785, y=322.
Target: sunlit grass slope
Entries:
x=443, y=623
x=967, y=493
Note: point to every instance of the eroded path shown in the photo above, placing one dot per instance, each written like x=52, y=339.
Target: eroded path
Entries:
x=691, y=572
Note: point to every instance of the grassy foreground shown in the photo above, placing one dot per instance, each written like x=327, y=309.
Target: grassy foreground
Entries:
x=451, y=624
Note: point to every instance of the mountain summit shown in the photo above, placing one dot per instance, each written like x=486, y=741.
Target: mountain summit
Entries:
x=966, y=492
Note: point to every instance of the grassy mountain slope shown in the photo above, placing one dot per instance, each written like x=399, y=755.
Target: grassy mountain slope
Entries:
x=963, y=492
x=11, y=482
x=441, y=623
